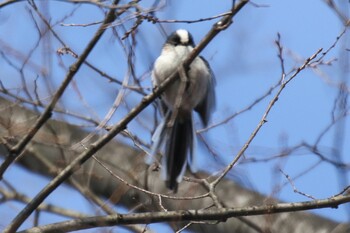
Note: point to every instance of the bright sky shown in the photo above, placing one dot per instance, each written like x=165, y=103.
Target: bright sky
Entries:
x=244, y=59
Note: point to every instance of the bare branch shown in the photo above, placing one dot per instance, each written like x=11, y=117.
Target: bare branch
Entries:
x=188, y=215
x=264, y=118
x=18, y=149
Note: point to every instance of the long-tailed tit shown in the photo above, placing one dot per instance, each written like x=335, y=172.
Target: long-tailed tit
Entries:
x=176, y=131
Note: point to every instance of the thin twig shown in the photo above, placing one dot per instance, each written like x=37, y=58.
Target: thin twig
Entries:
x=264, y=118
x=15, y=196
x=291, y=182
x=20, y=146
x=179, y=97
x=16, y=150
x=144, y=190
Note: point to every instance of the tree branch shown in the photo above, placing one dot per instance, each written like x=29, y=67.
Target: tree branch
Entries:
x=187, y=215
x=19, y=147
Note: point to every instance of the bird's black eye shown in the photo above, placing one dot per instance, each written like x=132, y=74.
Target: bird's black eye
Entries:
x=174, y=39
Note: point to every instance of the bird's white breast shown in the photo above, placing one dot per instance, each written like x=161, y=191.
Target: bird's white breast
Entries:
x=198, y=76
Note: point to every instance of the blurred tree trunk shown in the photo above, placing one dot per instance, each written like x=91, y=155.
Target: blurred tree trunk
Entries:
x=54, y=146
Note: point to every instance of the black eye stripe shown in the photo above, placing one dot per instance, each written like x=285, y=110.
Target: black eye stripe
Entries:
x=175, y=39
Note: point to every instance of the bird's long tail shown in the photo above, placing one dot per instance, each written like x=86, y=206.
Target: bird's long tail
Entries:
x=180, y=141
x=179, y=150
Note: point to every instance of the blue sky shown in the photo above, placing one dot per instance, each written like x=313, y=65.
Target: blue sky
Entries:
x=244, y=59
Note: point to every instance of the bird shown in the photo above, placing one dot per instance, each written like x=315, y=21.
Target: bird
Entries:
x=176, y=132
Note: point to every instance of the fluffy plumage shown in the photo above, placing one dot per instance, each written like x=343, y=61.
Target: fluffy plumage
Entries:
x=179, y=138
